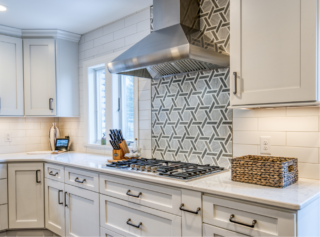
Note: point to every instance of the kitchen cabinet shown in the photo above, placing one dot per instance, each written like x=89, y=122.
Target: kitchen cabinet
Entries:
x=82, y=212
x=40, y=76
x=212, y=231
x=54, y=206
x=51, y=77
x=26, y=195
x=130, y=219
x=3, y=217
x=11, y=76
x=274, y=52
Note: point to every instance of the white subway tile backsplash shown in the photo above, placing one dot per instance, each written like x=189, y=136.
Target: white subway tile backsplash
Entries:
x=145, y=144
x=145, y=134
x=113, y=45
x=143, y=25
x=145, y=105
x=246, y=124
x=304, y=155
x=135, y=38
x=309, y=171
x=303, y=139
x=137, y=17
x=93, y=34
x=145, y=124
x=259, y=113
x=103, y=40
x=146, y=154
x=114, y=26
x=86, y=46
x=144, y=84
x=306, y=124
x=130, y=30
x=145, y=95
x=144, y=115
x=253, y=138
x=242, y=150
x=302, y=111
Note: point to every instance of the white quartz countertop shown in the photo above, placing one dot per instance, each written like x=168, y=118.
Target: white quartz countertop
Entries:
x=294, y=197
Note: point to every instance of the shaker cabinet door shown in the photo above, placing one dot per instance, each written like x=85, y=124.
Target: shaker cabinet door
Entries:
x=273, y=51
x=54, y=206
x=82, y=212
x=40, y=77
x=11, y=76
x=26, y=195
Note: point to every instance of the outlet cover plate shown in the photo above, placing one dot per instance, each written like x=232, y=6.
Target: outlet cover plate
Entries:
x=265, y=145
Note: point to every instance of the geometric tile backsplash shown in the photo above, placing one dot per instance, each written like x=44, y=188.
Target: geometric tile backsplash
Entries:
x=191, y=121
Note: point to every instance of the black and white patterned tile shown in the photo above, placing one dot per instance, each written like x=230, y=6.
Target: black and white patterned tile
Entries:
x=191, y=121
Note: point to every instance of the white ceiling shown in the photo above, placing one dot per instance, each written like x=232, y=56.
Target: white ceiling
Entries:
x=77, y=16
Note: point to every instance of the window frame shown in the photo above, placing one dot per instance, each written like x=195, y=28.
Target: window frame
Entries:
x=89, y=68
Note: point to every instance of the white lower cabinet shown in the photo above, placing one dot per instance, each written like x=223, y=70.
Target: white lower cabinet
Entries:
x=108, y=233
x=3, y=217
x=130, y=219
x=26, y=195
x=54, y=206
x=82, y=212
x=248, y=219
x=213, y=231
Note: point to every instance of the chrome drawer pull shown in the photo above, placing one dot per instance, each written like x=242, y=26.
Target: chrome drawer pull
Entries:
x=78, y=181
x=137, y=226
x=136, y=196
x=254, y=222
x=194, y=212
x=52, y=174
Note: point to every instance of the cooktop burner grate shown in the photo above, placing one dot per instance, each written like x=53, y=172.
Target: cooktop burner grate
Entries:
x=172, y=169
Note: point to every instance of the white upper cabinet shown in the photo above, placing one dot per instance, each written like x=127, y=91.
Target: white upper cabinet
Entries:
x=11, y=76
x=273, y=52
x=51, y=77
x=40, y=77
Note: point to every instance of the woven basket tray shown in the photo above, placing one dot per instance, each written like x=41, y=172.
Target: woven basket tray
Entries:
x=271, y=171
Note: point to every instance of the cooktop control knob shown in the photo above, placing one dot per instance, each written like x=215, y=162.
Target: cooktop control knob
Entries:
x=154, y=169
x=148, y=168
x=137, y=167
x=142, y=168
x=132, y=166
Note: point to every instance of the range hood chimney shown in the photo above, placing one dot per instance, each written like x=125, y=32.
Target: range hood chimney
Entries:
x=176, y=46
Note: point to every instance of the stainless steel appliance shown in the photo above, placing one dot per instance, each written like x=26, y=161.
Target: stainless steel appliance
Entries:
x=176, y=46
x=170, y=169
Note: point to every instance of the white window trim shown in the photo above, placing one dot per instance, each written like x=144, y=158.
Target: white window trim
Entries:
x=89, y=67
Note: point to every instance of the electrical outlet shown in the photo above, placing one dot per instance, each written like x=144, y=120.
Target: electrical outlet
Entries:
x=7, y=137
x=265, y=145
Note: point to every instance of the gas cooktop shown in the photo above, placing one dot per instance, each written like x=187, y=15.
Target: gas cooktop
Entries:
x=172, y=169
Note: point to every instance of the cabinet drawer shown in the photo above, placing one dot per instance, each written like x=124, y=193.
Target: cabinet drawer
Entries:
x=108, y=233
x=213, y=231
x=3, y=192
x=119, y=216
x=269, y=222
x=55, y=172
x=3, y=171
x=3, y=217
x=154, y=196
x=82, y=178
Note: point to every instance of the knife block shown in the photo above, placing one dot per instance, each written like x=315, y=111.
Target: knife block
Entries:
x=117, y=155
x=124, y=147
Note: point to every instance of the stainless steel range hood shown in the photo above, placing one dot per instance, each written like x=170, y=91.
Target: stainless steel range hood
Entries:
x=176, y=46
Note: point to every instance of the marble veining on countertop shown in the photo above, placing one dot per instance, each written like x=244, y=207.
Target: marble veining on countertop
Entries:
x=293, y=197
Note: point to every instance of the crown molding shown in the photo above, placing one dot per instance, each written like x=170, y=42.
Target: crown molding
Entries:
x=10, y=31
x=57, y=34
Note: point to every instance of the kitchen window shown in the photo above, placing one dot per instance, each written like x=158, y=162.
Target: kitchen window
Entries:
x=110, y=102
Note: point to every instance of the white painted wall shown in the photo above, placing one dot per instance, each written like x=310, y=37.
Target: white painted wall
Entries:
x=295, y=132
x=119, y=35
